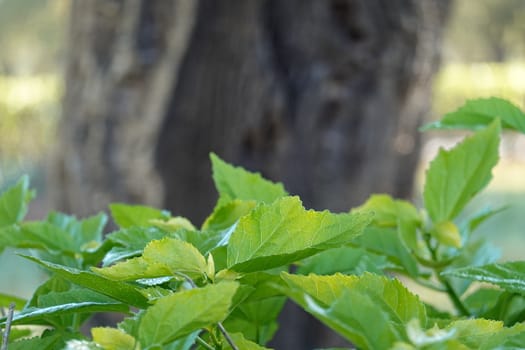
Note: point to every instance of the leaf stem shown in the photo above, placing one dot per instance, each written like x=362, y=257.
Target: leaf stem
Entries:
x=453, y=296
x=76, y=322
x=203, y=343
x=7, y=329
x=431, y=285
x=187, y=279
x=227, y=336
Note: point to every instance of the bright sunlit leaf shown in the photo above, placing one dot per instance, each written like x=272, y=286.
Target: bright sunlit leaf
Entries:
x=164, y=257
x=236, y=183
x=456, y=175
x=182, y=313
x=280, y=233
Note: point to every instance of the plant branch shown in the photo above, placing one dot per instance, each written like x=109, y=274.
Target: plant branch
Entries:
x=454, y=297
x=227, y=336
x=203, y=343
x=187, y=279
x=7, y=329
x=430, y=285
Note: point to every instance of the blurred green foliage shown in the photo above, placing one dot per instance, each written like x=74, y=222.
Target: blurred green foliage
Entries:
x=32, y=34
x=32, y=37
x=28, y=106
x=505, y=230
x=485, y=31
x=457, y=82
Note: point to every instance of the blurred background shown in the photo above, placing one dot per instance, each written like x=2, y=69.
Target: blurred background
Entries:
x=106, y=101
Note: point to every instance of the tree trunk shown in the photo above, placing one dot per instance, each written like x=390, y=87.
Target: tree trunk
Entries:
x=123, y=58
x=325, y=96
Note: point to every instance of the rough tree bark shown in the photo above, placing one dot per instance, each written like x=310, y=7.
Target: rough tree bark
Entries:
x=123, y=59
x=325, y=96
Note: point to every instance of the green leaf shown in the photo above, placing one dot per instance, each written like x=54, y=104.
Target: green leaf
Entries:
x=48, y=306
x=84, y=231
x=173, y=224
x=483, y=299
x=120, y=291
x=388, y=242
x=346, y=260
x=54, y=341
x=483, y=334
x=236, y=183
x=14, y=202
x=43, y=235
x=514, y=342
x=58, y=292
x=280, y=233
x=369, y=310
x=59, y=239
x=205, y=241
x=135, y=215
x=130, y=242
x=476, y=114
x=184, y=343
x=392, y=213
x=263, y=284
x=226, y=215
x=462, y=334
x=256, y=320
x=165, y=257
x=474, y=253
x=40, y=235
x=130, y=325
x=388, y=211
x=153, y=293
x=473, y=222
x=113, y=339
x=73, y=295
x=6, y=300
x=504, y=306
x=447, y=233
x=455, y=176
x=18, y=333
x=243, y=343
x=255, y=314
x=38, y=315
x=510, y=276
x=181, y=313
x=54, y=284
x=421, y=337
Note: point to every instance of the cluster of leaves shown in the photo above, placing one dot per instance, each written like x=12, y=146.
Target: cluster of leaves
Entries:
x=222, y=286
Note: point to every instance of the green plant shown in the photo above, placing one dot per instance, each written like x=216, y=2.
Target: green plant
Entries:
x=223, y=285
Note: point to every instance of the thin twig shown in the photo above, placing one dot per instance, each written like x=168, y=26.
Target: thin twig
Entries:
x=227, y=336
x=454, y=297
x=187, y=279
x=451, y=292
x=430, y=285
x=7, y=329
x=204, y=344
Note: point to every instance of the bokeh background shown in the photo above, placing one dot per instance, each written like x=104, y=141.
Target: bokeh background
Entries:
x=482, y=54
